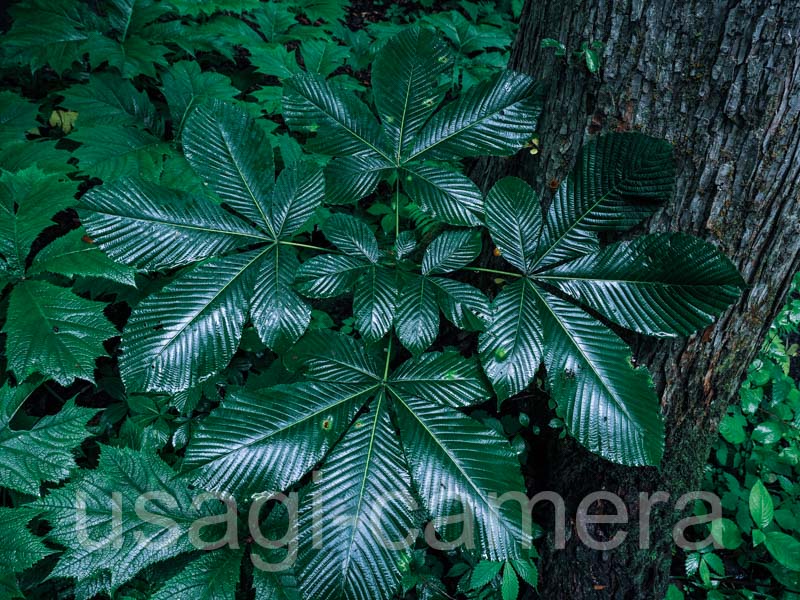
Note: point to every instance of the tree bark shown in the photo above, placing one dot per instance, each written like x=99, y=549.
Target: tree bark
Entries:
x=719, y=79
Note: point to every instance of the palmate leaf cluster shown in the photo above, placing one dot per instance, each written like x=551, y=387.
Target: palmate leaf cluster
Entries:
x=252, y=300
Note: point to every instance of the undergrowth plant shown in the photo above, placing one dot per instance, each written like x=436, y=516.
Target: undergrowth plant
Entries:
x=297, y=263
x=754, y=471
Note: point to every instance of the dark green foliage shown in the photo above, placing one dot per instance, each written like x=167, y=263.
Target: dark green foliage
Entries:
x=239, y=243
x=754, y=470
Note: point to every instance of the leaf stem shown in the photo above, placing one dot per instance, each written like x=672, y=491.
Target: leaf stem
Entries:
x=388, y=358
x=310, y=247
x=494, y=271
x=397, y=207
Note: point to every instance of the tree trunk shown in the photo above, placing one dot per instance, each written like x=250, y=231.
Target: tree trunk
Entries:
x=719, y=79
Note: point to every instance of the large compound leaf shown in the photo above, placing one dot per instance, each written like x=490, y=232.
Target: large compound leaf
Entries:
x=109, y=100
x=186, y=86
x=460, y=467
x=514, y=218
x=52, y=331
x=511, y=347
x=263, y=442
x=446, y=195
x=342, y=123
x=84, y=523
x=188, y=331
x=17, y=116
x=441, y=378
x=21, y=549
x=496, y=118
x=150, y=227
x=112, y=151
x=619, y=179
x=363, y=502
x=211, y=576
x=46, y=32
x=28, y=200
x=661, y=284
x=404, y=80
x=607, y=405
x=417, y=318
x=231, y=153
x=280, y=316
x=72, y=255
x=374, y=302
x=29, y=457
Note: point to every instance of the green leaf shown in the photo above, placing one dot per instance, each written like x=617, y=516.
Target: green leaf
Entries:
x=280, y=316
x=59, y=24
x=109, y=152
x=446, y=195
x=352, y=236
x=28, y=200
x=483, y=573
x=784, y=548
x=21, y=549
x=83, y=521
x=233, y=157
x=514, y=219
x=463, y=305
x=343, y=125
x=511, y=347
x=726, y=533
x=761, y=507
x=607, y=405
x=329, y=275
x=274, y=60
x=212, y=576
x=493, y=118
x=405, y=78
x=451, y=251
x=185, y=86
x=592, y=60
x=509, y=587
x=17, y=116
x=334, y=358
x=374, y=302
x=659, y=284
x=108, y=100
x=768, y=433
x=265, y=441
x=350, y=178
x=618, y=180
x=188, y=331
x=150, y=227
x=448, y=453
x=527, y=571
x=442, y=378
x=298, y=192
x=72, y=255
x=323, y=57
x=417, y=318
x=348, y=555
x=673, y=593
x=52, y=331
x=43, y=452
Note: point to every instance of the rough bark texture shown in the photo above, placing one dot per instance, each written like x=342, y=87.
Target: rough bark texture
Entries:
x=720, y=80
